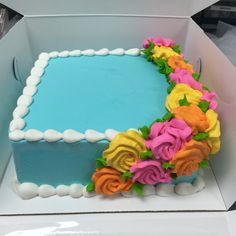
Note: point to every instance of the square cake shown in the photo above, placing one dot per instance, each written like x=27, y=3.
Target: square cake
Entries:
x=113, y=121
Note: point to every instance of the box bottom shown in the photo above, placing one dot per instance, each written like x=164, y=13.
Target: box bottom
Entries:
x=209, y=199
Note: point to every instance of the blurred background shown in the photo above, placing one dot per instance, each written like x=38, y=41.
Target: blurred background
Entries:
x=218, y=21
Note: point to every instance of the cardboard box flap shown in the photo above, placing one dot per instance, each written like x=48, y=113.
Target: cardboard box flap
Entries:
x=179, y=8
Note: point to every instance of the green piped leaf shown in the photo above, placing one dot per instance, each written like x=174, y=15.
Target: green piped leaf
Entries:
x=138, y=188
x=167, y=165
x=100, y=162
x=146, y=155
x=158, y=120
x=184, y=101
x=90, y=187
x=176, y=48
x=148, y=51
x=206, y=88
x=171, y=86
x=149, y=57
x=174, y=176
x=196, y=76
x=126, y=175
x=201, y=136
x=163, y=66
x=204, y=105
x=145, y=130
x=204, y=164
x=167, y=116
x=186, y=61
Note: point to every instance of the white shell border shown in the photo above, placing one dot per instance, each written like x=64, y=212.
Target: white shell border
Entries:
x=24, y=101
x=30, y=190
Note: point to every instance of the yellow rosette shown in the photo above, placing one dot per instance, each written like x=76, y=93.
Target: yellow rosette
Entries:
x=163, y=52
x=124, y=150
x=179, y=91
x=214, y=131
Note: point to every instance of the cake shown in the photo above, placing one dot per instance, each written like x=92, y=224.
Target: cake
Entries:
x=129, y=122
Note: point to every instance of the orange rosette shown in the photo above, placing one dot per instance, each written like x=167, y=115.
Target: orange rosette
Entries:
x=187, y=160
x=108, y=181
x=193, y=116
x=178, y=62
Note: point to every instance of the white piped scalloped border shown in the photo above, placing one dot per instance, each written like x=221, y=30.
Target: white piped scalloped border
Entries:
x=30, y=190
x=25, y=100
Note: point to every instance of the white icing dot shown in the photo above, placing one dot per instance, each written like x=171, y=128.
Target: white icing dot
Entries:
x=29, y=90
x=27, y=190
x=41, y=63
x=117, y=51
x=32, y=80
x=188, y=188
x=149, y=190
x=37, y=71
x=76, y=190
x=199, y=184
x=184, y=189
x=46, y=190
x=62, y=190
x=71, y=136
x=52, y=135
x=94, y=136
x=63, y=54
x=75, y=53
x=16, y=135
x=24, y=100
x=88, y=52
x=20, y=111
x=33, y=135
x=54, y=54
x=43, y=56
x=133, y=52
x=17, y=123
x=88, y=194
x=164, y=190
x=102, y=52
x=110, y=134
x=131, y=193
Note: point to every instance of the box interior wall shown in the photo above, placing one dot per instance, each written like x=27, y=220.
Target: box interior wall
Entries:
x=33, y=35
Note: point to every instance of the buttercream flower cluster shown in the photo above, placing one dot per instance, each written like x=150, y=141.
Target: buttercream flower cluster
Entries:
x=176, y=145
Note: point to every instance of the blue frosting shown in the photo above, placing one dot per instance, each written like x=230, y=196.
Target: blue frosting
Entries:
x=56, y=163
x=185, y=179
x=100, y=92
x=81, y=93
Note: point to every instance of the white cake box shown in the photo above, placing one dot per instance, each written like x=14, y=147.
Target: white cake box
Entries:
x=55, y=25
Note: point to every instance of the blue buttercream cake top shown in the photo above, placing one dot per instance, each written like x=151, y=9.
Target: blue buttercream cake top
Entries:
x=100, y=92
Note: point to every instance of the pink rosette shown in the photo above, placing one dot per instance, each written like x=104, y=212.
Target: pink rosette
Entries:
x=150, y=172
x=181, y=76
x=209, y=97
x=166, y=138
x=159, y=41
x=146, y=42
